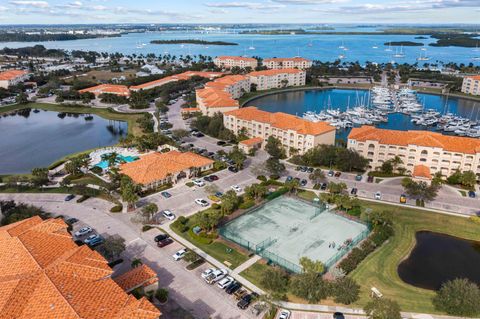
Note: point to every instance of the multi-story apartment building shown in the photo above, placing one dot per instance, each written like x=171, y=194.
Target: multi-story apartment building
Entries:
x=235, y=85
x=293, y=132
x=440, y=153
x=12, y=77
x=287, y=63
x=211, y=101
x=274, y=79
x=121, y=90
x=471, y=85
x=228, y=62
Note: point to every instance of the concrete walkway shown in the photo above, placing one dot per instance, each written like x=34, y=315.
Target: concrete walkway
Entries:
x=155, y=122
x=246, y=264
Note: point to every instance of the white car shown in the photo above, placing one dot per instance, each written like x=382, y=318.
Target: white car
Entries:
x=216, y=276
x=179, y=254
x=168, y=215
x=284, y=314
x=225, y=282
x=208, y=272
x=236, y=188
x=199, y=182
x=83, y=231
x=201, y=202
x=378, y=195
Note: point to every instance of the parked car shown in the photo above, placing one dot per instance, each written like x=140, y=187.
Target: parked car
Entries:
x=201, y=202
x=378, y=195
x=214, y=177
x=284, y=314
x=225, y=282
x=303, y=169
x=215, y=276
x=69, y=197
x=207, y=272
x=71, y=221
x=338, y=174
x=164, y=242
x=221, y=143
x=331, y=173
x=403, y=198
x=198, y=182
x=207, y=179
x=338, y=315
x=370, y=179
x=219, y=194
x=160, y=237
x=323, y=186
x=166, y=194
x=168, y=215
x=83, y=231
x=236, y=188
x=246, y=301
x=240, y=293
x=310, y=170
x=471, y=194
x=93, y=240
x=289, y=178
x=233, y=287
x=303, y=182
x=354, y=191
x=358, y=178
x=179, y=254
x=233, y=169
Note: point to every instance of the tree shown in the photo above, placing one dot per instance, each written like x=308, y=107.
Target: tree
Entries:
x=275, y=281
x=149, y=211
x=112, y=247
x=209, y=219
x=138, y=100
x=420, y=190
x=274, y=166
x=237, y=156
x=458, y=297
x=180, y=133
x=40, y=176
x=337, y=188
x=230, y=202
x=191, y=256
x=346, y=290
x=382, y=308
x=21, y=98
x=310, y=266
x=162, y=295
x=469, y=179
x=275, y=148
x=317, y=176
x=310, y=286
x=128, y=191
x=255, y=191
x=292, y=185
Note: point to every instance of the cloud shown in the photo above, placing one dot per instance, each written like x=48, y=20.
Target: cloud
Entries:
x=408, y=6
x=36, y=4
x=309, y=2
x=247, y=5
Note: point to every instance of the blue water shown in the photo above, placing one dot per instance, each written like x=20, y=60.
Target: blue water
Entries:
x=323, y=47
x=120, y=158
x=38, y=139
x=298, y=102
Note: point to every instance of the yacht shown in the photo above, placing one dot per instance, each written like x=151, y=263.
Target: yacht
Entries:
x=374, y=47
x=399, y=54
x=423, y=57
x=389, y=49
x=341, y=56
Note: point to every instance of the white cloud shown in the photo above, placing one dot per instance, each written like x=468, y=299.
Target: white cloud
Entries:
x=36, y=4
x=248, y=5
x=309, y=2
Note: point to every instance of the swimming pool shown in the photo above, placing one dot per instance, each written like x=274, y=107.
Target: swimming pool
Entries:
x=120, y=159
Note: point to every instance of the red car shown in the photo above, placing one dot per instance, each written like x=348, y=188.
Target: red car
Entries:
x=165, y=242
x=337, y=174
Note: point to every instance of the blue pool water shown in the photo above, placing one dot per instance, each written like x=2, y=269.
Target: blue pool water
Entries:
x=120, y=158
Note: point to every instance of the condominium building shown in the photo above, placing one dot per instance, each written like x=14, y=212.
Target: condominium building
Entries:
x=12, y=77
x=287, y=63
x=175, y=78
x=235, y=85
x=471, y=85
x=45, y=274
x=97, y=90
x=293, y=132
x=440, y=153
x=274, y=79
x=228, y=62
x=211, y=101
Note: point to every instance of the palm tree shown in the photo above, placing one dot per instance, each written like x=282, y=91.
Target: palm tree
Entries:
x=317, y=176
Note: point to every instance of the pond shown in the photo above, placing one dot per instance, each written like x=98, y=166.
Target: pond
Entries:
x=437, y=258
x=34, y=138
x=299, y=102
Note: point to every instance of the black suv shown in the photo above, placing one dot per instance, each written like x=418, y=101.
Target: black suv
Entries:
x=233, y=287
x=246, y=300
x=161, y=237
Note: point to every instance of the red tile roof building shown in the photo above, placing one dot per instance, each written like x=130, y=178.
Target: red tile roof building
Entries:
x=174, y=78
x=471, y=85
x=440, y=153
x=12, y=77
x=288, y=63
x=44, y=274
x=293, y=132
x=139, y=277
x=120, y=90
x=229, y=62
x=275, y=79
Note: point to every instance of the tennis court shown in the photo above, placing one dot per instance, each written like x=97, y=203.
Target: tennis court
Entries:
x=286, y=229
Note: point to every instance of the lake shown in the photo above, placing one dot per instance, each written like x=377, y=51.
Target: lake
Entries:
x=30, y=139
x=298, y=102
x=312, y=46
x=437, y=258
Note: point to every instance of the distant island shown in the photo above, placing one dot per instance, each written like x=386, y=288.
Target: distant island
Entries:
x=201, y=42
x=421, y=38
x=404, y=43
x=35, y=51
x=455, y=40
x=27, y=37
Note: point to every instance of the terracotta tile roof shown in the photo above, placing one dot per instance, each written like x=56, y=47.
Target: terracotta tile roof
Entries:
x=108, y=88
x=282, y=121
x=136, y=277
x=176, y=77
x=252, y=141
x=420, y=138
x=225, y=81
x=44, y=275
x=421, y=171
x=157, y=166
x=275, y=72
x=11, y=74
x=213, y=97
x=295, y=59
x=474, y=77
x=236, y=58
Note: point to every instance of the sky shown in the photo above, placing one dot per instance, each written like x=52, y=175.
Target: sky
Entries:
x=239, y=11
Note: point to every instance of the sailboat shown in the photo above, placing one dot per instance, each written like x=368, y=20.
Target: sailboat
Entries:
x=310, y=44
x=342, y=56
x=399, y=54
x=424, y=57
x=251, y=47
x=389, y=49
x=342, y=46
x=375, y=47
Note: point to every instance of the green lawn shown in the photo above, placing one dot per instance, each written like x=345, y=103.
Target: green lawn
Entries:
x=380, y=268
x=90, y=179
x=254, y=272
x=307, y=195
